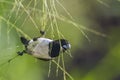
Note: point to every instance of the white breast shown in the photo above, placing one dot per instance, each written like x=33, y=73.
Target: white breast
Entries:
x=39, y=48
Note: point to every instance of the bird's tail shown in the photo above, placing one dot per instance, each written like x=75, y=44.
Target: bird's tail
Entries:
x=24, y=41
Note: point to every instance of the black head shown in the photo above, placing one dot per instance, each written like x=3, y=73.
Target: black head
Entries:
x=65, y=44
x=55, y=47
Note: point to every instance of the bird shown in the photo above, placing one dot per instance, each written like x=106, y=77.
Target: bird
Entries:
x=44, y=48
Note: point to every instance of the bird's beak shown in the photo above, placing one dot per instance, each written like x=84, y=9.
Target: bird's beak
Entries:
x=68, y=46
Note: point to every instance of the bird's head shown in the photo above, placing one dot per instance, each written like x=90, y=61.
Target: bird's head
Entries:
x=65, y=44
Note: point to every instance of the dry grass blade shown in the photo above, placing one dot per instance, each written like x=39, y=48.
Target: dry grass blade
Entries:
x=15, y=27
x=63, y=70
x=103, y=3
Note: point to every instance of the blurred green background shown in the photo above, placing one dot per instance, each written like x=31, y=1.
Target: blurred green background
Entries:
x=97, y=59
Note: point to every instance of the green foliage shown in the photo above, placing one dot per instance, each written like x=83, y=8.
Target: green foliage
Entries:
x=81, y=22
